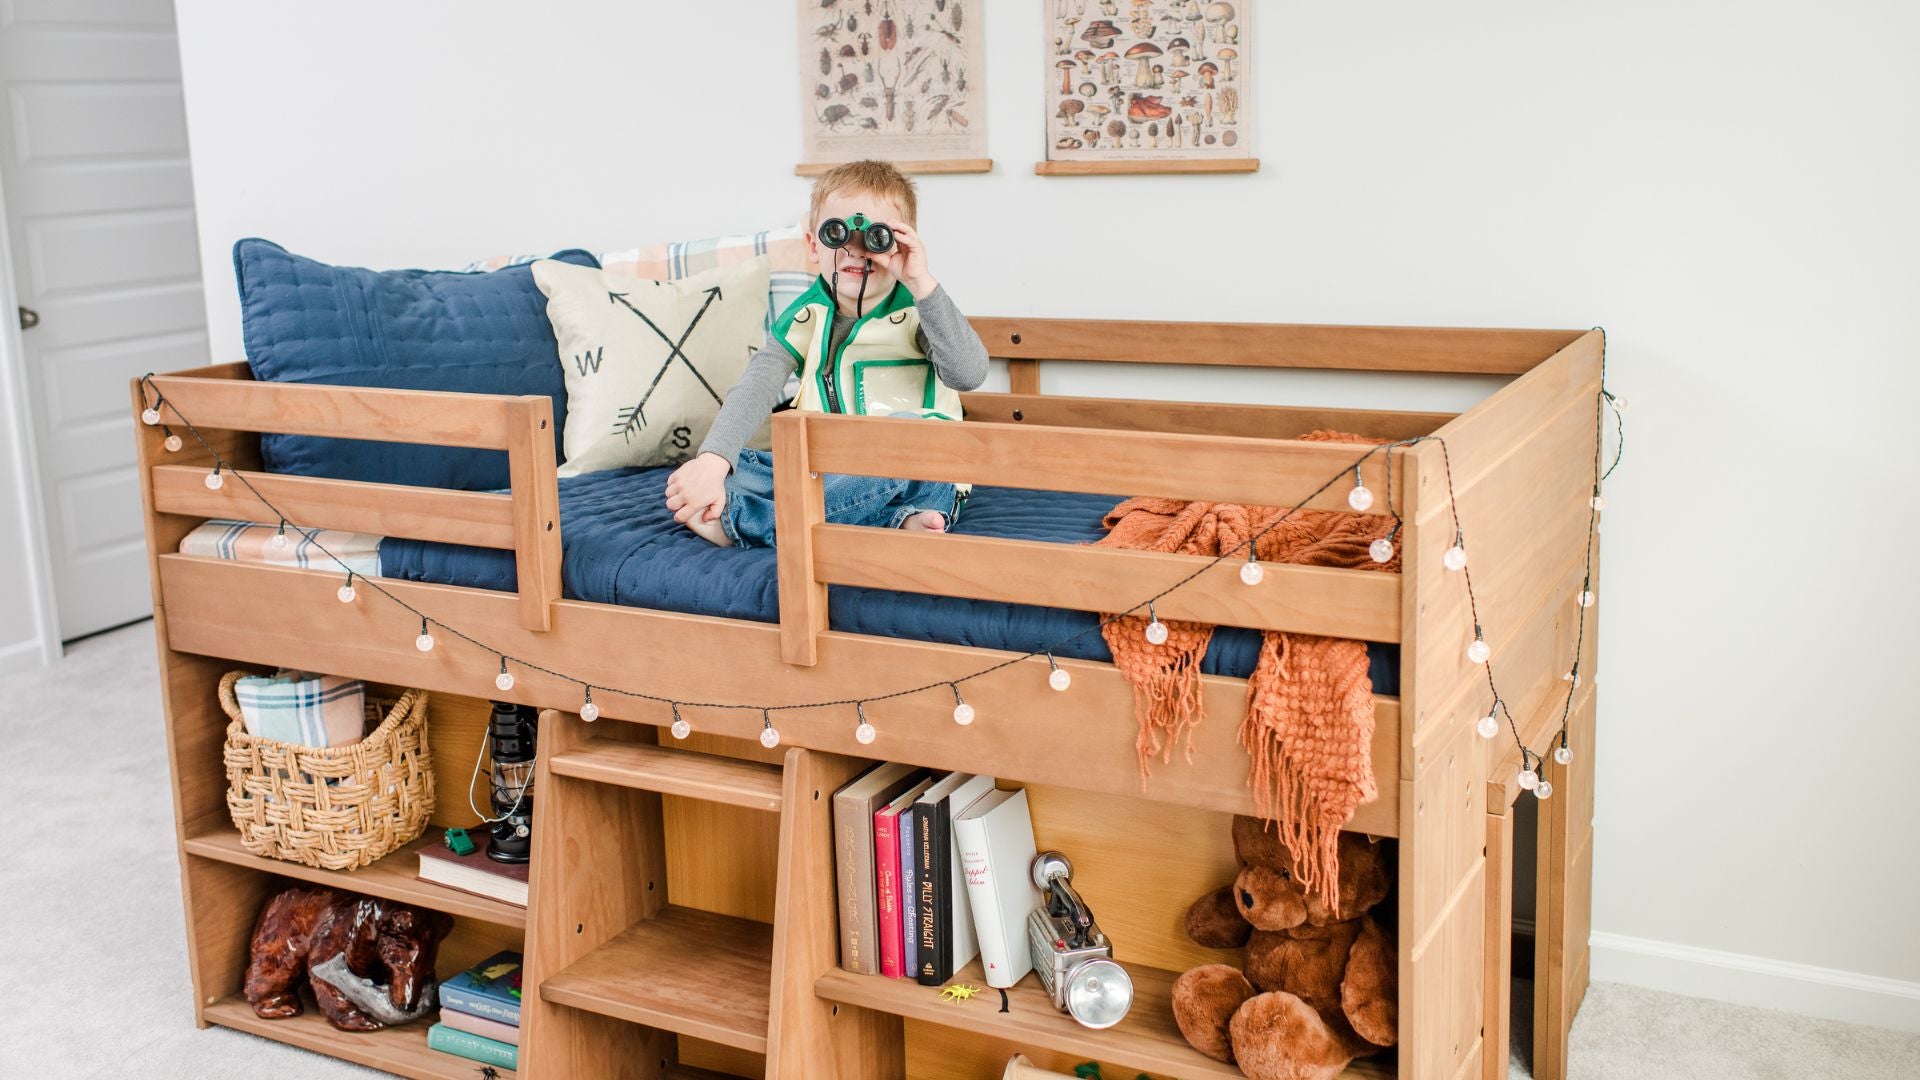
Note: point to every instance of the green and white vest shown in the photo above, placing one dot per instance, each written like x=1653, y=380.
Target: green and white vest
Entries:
x=879, y=370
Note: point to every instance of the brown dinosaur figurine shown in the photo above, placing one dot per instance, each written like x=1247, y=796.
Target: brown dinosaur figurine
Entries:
x=392, y=944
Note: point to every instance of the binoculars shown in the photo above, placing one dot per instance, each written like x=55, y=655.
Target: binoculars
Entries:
x=874, y=236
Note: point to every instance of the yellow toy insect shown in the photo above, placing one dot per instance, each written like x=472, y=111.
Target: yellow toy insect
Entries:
x=958, y=992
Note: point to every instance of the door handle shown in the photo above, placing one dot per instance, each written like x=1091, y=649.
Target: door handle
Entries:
x=29, y=318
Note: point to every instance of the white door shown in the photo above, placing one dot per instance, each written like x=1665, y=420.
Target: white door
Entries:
x=99, y=203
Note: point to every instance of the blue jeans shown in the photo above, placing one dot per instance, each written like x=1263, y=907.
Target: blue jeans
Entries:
x=851, y=500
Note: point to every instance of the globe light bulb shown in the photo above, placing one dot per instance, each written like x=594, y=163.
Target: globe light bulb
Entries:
x=1620, y=402
x=504, y=680
x=346, y=593
x=1059, y=679
x=174, y=444
x=1479, y=651
x=865, y=733
x=963, y=714
x=1563, y=755
x=1529, y=779
x=279, y=540
x=681, y=729
x=769, y=738
x=1585, y=599
x=1360, y=498
x=1381, y=550
x=424, y=642
x=214, y=480
x=1543, y=790
x=588, y=710
x=1156, y=633
x=1597, y=502
x=1454, y=558
x=1251, y=572
x=1489, y=726
x=150, y=416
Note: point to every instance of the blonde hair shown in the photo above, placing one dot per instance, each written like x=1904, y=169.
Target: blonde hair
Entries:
x=874, y=177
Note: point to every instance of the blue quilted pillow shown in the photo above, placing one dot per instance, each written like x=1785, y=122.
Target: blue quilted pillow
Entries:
x=487, y=333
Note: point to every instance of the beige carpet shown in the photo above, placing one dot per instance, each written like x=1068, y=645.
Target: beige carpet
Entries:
x=95, y=983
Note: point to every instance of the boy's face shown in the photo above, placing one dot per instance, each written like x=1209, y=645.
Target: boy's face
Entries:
x=851, y=261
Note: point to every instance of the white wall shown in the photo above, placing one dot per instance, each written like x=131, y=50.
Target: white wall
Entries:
x=1728, y=188
x=27, y=635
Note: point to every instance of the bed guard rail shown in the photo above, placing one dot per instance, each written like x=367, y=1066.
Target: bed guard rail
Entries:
x=1272, y=472
x=525, y=520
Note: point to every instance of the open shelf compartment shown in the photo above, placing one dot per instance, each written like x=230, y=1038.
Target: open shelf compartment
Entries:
x=400, y=1050
x=1147, y=1039
x=686, y=971
x=391, y=877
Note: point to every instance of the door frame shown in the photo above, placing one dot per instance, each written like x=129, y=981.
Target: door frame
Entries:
x=30, y=501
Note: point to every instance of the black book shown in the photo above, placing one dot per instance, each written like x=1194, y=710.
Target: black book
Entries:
x=933, y=824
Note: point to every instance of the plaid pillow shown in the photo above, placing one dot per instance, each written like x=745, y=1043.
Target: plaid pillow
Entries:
x=786, y=247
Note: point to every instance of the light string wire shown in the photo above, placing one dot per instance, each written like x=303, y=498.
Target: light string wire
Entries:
x=1248, y=546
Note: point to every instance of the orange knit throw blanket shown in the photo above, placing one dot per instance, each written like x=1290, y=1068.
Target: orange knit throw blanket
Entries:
x=1309, y=724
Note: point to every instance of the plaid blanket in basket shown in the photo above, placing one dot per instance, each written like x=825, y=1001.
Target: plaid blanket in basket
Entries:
x=302, y=709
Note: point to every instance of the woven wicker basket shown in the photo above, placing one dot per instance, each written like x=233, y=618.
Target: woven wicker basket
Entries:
x=379, y=798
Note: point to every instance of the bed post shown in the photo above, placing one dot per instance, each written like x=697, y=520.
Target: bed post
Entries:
x=799, y=504
x=536, y=508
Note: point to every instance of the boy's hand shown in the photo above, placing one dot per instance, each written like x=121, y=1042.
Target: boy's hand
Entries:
x=907, y=261
x=699, y=487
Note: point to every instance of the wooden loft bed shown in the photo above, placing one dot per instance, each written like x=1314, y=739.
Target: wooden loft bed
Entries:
x=654, y=864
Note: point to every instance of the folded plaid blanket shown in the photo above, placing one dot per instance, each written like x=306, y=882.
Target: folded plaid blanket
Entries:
x=301, y=709
x=250, y=541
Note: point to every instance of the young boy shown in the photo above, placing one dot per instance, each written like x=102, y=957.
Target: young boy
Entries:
x=874, y=335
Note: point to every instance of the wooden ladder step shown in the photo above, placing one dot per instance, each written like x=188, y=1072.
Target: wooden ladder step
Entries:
x=684, y=970
x=752, y=784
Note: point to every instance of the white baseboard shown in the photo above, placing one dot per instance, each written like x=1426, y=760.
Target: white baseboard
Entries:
x=22, y=656
x=1758, y=981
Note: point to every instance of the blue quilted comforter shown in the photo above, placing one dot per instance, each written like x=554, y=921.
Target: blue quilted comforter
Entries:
x=623, y=547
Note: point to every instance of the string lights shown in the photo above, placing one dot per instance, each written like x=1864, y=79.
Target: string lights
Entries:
x=1360, y=498
x=962, y=712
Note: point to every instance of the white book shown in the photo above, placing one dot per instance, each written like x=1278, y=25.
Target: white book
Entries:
x=995, y=840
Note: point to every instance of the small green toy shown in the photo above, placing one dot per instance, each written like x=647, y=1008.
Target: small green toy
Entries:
x=459, y=842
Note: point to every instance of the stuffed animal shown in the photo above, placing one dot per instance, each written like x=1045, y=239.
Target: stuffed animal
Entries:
x=1320, y=985
x=339, y=942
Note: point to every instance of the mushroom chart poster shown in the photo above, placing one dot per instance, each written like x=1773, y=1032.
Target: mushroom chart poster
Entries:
x=893, y=79
x=1148, y=80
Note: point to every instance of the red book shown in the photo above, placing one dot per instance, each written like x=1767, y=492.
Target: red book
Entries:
x=886, y=872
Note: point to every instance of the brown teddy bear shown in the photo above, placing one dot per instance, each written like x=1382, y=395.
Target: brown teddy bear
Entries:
x=1321, y=986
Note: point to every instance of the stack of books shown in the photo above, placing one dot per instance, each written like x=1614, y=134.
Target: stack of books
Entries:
x=474, y=872
x=480, y=1013
x=932, y=871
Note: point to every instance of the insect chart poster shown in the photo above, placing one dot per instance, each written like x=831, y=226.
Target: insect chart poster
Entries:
x=899, y=80
x=1144, y=81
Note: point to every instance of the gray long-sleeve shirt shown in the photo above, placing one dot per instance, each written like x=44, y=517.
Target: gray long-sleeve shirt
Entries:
x=945, y=336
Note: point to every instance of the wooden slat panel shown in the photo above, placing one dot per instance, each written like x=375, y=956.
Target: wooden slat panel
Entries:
x=1023, y=377
x=279, y=615
x=809, y=1038
x=1267, y=472
x=1138, y=167
x=798, y=507
x=1307, y=599
x=536, y=508
x=477, y=518
x=1498, y=1004
x=1194, y=417
x=407, y=416
x=1279, y=345
x=673, y=772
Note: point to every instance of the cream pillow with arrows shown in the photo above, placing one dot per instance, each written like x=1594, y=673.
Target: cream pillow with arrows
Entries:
x=647, y=363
